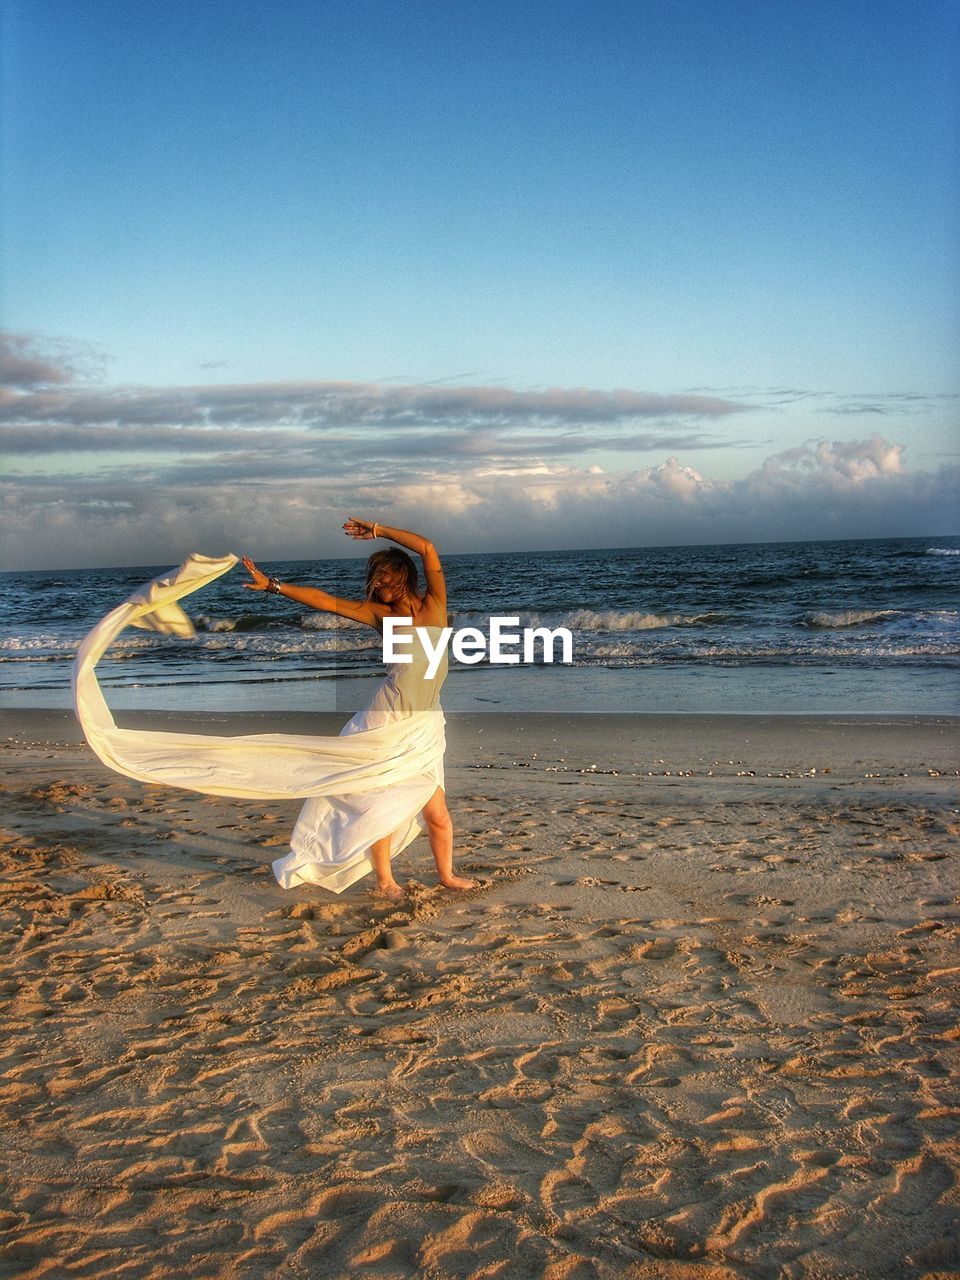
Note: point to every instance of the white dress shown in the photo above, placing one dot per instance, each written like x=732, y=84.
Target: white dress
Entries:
x=369, y=782
x=331, y=841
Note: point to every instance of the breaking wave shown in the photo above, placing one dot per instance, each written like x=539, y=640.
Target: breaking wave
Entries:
x=848, y=618
x=634, y=620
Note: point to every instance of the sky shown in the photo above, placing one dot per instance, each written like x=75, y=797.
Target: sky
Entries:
x=516, y=276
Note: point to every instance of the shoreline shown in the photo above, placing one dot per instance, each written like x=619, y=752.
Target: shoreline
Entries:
x=53, y=719
x=696, y=748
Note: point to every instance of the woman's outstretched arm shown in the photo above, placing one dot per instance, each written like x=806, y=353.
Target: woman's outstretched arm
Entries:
x=366, y=611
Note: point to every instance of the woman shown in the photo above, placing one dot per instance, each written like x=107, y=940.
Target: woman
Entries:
x=391, y=591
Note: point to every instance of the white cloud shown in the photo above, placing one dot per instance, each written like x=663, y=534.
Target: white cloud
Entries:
x=677, y=480
x=442, y=496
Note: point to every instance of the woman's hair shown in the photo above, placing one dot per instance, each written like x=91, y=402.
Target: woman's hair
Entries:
x=397, y=560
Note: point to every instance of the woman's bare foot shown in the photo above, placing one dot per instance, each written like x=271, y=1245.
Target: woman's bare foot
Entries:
x=395, y=892
x=458, y=882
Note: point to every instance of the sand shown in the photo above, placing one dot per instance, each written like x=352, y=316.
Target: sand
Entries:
x=698, y=1020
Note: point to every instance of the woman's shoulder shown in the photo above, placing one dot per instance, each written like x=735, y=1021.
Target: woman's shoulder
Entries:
x=425, y=618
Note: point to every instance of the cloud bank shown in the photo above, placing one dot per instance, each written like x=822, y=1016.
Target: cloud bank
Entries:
x=144, y=476
x=840, y=489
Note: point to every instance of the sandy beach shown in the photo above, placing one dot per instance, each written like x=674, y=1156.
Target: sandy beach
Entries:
x=698, y=1020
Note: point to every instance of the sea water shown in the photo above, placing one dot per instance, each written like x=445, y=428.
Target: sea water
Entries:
x=810, y=627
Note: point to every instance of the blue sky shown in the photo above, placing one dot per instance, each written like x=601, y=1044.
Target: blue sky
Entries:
x=217, y=209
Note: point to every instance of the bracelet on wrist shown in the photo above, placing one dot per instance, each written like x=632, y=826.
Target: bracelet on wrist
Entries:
x=273, y=586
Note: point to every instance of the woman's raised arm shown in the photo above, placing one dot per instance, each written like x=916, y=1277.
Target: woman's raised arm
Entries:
x=424, y=548
x=364, y=529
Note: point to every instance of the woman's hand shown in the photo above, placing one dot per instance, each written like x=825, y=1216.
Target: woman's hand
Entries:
x=361, y=529
x=260, y=580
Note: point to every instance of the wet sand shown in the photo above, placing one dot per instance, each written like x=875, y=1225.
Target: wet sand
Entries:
x=698, y=1020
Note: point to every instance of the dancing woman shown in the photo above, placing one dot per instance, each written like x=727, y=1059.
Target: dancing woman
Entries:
x=392, y=590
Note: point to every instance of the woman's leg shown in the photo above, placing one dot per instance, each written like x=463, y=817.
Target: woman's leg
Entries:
x=383, y=869
x=440, y=831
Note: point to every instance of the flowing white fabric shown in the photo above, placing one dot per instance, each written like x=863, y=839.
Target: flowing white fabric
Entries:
x=368, y=783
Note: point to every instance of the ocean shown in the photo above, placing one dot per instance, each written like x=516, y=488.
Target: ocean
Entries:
x=805, y=627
